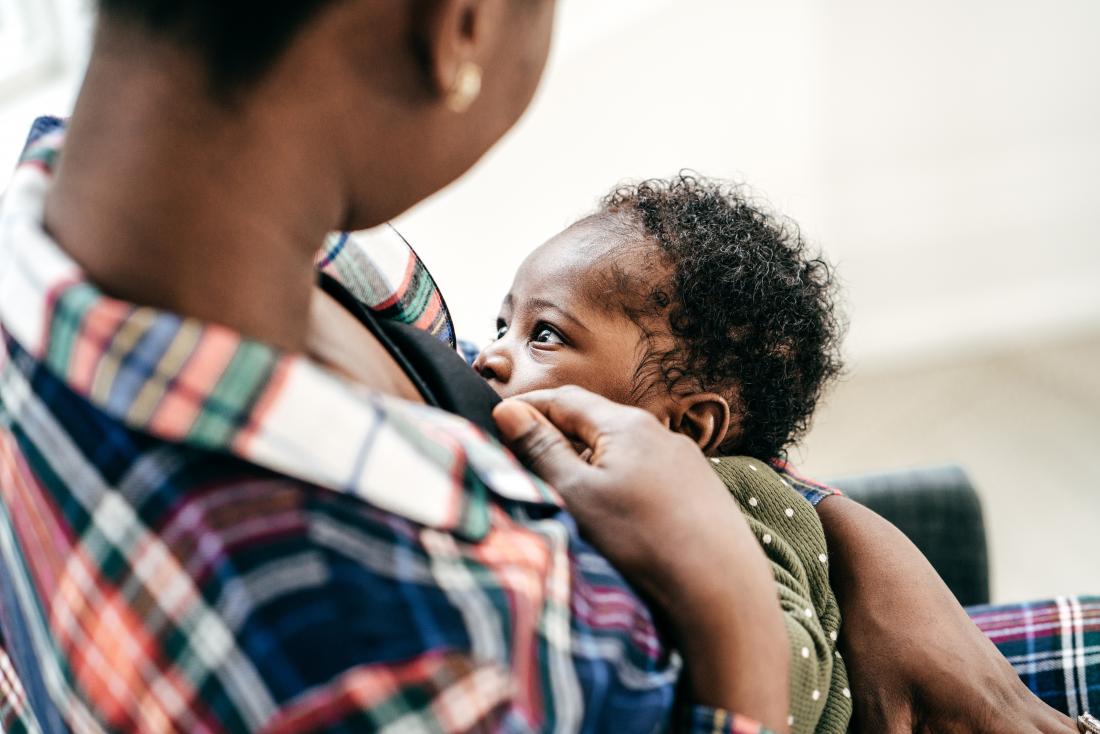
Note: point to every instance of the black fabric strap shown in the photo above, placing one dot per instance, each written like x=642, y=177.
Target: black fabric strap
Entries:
x=439, y=373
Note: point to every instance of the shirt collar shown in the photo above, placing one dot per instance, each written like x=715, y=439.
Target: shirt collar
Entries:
x=205, y=385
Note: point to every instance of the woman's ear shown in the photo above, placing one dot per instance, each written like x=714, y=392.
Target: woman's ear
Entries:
x=454, y=33
x=703, y=417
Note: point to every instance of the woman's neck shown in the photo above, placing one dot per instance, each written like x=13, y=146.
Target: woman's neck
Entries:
x=169, y=199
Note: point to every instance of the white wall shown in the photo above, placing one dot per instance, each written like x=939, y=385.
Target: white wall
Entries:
x=725, y=88
x=945, y=154
x=961, y=149
x=55, y=41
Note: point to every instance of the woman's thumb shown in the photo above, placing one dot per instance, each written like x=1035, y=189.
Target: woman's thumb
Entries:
x=538, y=443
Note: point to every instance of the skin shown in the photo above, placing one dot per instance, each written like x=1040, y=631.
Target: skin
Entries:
x=916, y=661
x=228, y=234
x=618, y=492
x=554, y=330
x=550, y=329
x=561, y=324
x=170, y=195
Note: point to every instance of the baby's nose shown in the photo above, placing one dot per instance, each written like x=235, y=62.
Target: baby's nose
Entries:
x=493, y=365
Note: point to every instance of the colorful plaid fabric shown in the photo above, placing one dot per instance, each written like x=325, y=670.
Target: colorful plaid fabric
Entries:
x=813, y=492
x=200, y=533
x=1054, y=646
x=15, y=718
x=382, y=271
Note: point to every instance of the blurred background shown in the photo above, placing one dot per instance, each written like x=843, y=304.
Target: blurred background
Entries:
x=944, y=155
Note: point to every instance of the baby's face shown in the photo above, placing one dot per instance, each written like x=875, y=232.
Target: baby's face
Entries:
x=553, y=328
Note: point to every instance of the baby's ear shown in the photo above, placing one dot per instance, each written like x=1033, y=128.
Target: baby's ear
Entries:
x=703, y=417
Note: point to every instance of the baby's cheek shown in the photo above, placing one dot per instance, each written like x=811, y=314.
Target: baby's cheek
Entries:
x=559, y=376
x=529, y=378
x=608, y=382
x=601, y=375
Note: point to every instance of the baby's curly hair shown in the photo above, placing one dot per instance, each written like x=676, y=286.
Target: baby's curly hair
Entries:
x=751, y=310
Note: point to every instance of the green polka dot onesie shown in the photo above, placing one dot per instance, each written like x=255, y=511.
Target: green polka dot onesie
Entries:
x=787, y=528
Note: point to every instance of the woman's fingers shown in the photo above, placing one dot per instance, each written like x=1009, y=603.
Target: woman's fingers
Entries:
x=647, y=489
x=1058, y=723
x=581, y=414
x=539, y=444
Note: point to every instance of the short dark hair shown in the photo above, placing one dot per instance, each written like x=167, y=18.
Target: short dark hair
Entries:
x=239, y=39
x=752, y=311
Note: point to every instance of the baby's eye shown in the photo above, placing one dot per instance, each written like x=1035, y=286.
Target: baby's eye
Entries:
x=545, y=334
x=502, y=329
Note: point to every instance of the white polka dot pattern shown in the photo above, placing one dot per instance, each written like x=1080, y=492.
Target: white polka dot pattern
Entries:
x=775, y=514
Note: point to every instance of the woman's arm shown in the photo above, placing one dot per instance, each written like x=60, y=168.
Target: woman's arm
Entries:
x=649, y=501
x=916, y=661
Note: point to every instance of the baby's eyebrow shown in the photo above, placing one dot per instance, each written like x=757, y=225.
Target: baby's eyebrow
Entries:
x=542, y=303
x=505, y=307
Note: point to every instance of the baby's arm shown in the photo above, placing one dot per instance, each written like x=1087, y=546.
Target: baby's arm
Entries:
x=793, y=540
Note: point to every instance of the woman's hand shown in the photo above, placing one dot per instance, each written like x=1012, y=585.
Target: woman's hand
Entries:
x=648, y=499
x=915, y=660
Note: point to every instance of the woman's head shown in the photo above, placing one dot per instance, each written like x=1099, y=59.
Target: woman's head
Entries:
x=697, y=303
x=399, y=98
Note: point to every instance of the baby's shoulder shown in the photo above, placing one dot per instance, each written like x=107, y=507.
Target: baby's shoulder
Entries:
x=773, y=504
x=741, y=472
x=748, y=478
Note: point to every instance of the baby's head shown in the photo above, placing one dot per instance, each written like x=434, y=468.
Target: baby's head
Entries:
x=682, y=297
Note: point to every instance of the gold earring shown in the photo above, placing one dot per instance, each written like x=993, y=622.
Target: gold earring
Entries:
x=466, y=87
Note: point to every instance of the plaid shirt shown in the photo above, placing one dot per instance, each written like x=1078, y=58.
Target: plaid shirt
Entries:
x=1054, y=645
x=180, y=552
x=200, y=533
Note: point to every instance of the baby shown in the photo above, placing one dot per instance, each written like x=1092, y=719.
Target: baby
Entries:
x=685, y=298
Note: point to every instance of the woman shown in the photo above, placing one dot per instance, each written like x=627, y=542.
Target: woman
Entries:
x=228, y=507
x=223, y=507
